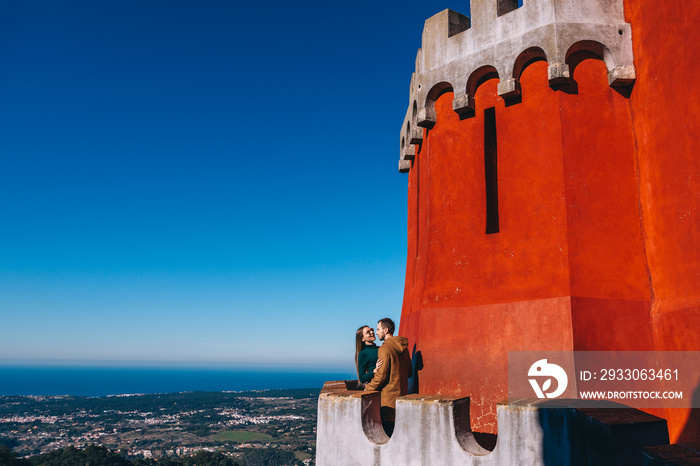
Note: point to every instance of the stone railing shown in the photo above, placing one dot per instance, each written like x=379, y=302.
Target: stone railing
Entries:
x=435, y=430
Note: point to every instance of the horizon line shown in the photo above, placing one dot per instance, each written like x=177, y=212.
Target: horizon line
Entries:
x=167, y=364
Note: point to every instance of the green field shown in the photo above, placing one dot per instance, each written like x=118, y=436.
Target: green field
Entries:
x=241, y=436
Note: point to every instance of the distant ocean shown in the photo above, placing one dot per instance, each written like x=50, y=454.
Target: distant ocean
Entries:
x=102, y=381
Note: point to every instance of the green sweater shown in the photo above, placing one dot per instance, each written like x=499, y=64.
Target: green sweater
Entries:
x=366, y=361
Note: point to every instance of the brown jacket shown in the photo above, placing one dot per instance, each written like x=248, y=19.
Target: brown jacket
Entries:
x=392, y=377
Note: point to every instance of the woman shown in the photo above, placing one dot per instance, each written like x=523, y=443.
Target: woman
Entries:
x=366, y=353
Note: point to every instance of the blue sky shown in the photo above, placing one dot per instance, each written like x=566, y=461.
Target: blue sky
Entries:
x=201, y=181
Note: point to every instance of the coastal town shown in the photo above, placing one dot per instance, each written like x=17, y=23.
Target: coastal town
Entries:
x=164, y=425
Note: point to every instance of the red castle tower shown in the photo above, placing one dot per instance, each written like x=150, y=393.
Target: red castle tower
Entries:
x=554, y=187
x=553, y=205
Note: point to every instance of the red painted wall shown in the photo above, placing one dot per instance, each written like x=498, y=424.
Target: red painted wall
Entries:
x=599, y=241
x=470, y=297
x=664, y=107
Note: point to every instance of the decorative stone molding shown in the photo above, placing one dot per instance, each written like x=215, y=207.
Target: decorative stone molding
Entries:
x=501, y=39
x=404, y=166
x=435, y=430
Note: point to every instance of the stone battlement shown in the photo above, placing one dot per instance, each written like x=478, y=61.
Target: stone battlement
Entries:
x=434, y=429
x=499, y=40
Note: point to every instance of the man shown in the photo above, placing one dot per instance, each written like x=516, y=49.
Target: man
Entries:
x=392, y=376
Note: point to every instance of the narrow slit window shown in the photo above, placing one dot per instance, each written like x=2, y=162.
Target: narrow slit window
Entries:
x=491, y=170
x=417, y=168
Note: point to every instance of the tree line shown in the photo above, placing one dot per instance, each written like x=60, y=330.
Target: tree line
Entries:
x=101, y=456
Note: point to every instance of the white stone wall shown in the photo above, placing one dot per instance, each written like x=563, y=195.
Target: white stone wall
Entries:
x=434, y=430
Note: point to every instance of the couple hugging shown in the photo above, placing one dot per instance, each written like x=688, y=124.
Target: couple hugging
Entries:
x=385, y=368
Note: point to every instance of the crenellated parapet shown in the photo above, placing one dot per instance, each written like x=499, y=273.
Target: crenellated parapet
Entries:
x=435, y=430
x=499, y=40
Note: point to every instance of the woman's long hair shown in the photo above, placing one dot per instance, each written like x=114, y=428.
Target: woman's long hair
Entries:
x=359, y=344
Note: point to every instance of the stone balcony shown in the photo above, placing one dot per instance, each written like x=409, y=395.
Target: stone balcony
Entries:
x=435, y=430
